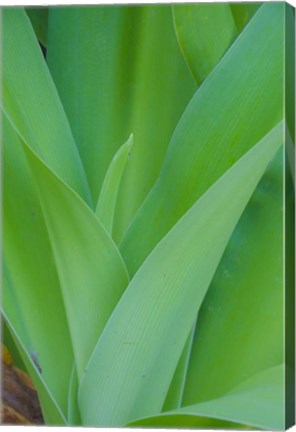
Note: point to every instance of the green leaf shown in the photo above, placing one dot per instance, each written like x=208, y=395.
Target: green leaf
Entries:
x=240, y=327
x=188, y=420
x=91, y=271
x=108, y=195
x=130, y=370
x=73, y=416
x=39, y=18
x=258, y=402
x=27, y=85
x=50, y=410
x=204, y=31
x=211, y=135
x=108, y=61
x=175, y=393
x=32, y=299
x=243, y=12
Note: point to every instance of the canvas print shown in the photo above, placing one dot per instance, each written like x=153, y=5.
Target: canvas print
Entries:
x=148, y=222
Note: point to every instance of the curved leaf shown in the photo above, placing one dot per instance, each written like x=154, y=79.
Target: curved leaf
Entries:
x=130, y=370
x=240, y=327
x=108, y=194
x=204, y=31
x=43, y=126
x=109, y=61
x=30, y=295
x=209, y=138
x=91, y=271
x=257, y=402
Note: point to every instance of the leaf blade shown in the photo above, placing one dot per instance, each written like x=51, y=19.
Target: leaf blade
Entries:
x=45, y=128
x=143, y=98
x=258, y=402
x=108, y=195
x=245, y=301
x=30, y=296
x=91, y=270
x=201, y=134
x=147, y=331
x=204, y=32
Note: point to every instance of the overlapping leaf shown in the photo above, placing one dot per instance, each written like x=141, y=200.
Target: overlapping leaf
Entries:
x=205, y=31
x=202, y=313
x=32, y=298
x=39, y=19
x=243, y=12
x=258, y=402
x=236, y=336
x=109, y=61
x=131, y=368
x=108, y=196
x=230, y=112
x=73, y=414
x=31, y=102
x=91, y=271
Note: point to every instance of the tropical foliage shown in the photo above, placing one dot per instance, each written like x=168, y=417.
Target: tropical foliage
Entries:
x=143, y=199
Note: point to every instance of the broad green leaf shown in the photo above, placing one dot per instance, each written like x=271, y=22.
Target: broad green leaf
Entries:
x=91, y=271
x=240, y=327
x=119, y=65
x=39, y=18
x=231, y=111
x=31, y=102
x=258, y=402
x=130, y=370
x=243, y=12
x=108, y=195
x=50, y=410
x=32, y=299
x=204, y=31
x=73, y=416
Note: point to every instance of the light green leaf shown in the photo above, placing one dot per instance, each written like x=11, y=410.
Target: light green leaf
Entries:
x=130, y=370
x=39, y=17
x=243, y=12
x=204, y=31
x=240, y=327
x=50, y=410
x=91, y=271
x=32, y=298
x=175, y=393
x=230, y=112
x=258, y=402
x=109, y=61
x=73, y=416
x=108, y=195
x=31, y=102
